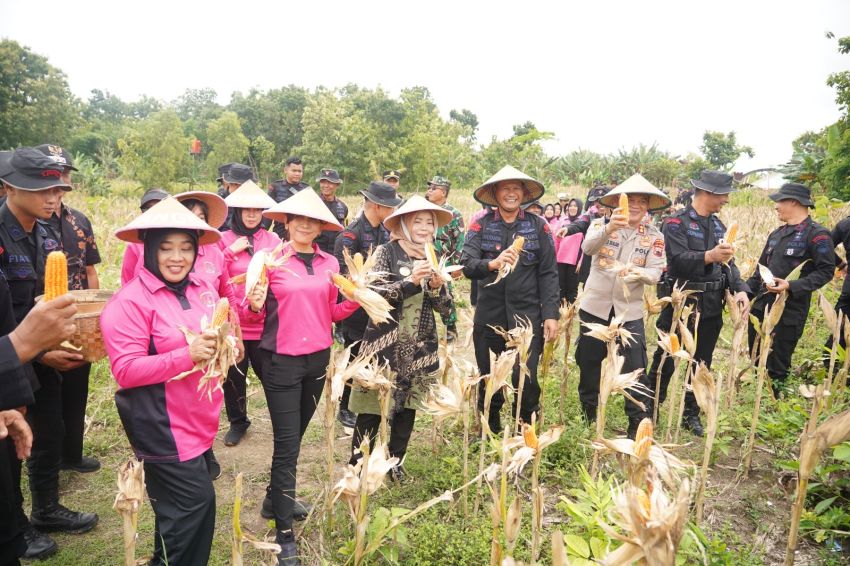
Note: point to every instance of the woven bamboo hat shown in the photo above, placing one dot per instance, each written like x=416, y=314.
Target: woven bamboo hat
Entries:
x=168, y=213
x=484, y=194
x=249, y=195
x=304, y=203
x=637, y=185
x=417, y=203
x=215, y=205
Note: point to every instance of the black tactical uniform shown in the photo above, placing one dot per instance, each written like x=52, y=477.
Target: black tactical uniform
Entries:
x=531, y=291
x=281, y=190
x=359, y=236
x=787, y=247
x=327, y=238
x=688, y=236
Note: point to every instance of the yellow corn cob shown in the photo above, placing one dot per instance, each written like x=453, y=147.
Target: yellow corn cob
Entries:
x=55, y=276
x=344, y=284
x=624, y=203
x=519, y=242
x=431, y=255
x=674, y=343
x=643, y=439
x=358, y=261
x=529, y=436
x=645, y=504
x=732, y=233
x=222, y=309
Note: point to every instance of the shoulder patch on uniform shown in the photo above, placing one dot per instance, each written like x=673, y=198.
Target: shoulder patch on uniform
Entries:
x=475, y=227
x=546, y=228
x=349, y=234
x=673, y=224
x=820, y=238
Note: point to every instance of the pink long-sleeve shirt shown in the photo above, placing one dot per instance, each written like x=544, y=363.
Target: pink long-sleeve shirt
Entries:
x=166, y=421
x=209, y=265
x=237, y=264
x=567, y=250
x=301, y=306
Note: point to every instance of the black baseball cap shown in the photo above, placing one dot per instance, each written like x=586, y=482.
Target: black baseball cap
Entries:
x=153, y=195
x=58, y=154
x=31, y=170
x=329, y=175
x=391, y=174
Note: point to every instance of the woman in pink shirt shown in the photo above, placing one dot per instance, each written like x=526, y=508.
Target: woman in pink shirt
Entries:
x=300, y=305
x=239, y=244
x=568, y=252
x=169, y=424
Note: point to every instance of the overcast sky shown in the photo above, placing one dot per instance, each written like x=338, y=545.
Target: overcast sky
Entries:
x=599, y=74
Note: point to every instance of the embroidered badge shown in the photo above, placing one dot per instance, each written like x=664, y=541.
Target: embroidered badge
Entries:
x=658, y=248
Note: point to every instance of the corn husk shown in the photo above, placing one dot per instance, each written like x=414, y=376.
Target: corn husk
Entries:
x=376, y=306
x=528, y=445
x=508, y=268
x=258, y=268
x=613, y=331
x=128, y=501
x=439, y=265
x=224, y=354
x=364, y=477
x=668, y=467
x=654, y=524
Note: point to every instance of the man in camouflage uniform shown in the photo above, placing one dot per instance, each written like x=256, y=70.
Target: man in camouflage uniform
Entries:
x=448, y=240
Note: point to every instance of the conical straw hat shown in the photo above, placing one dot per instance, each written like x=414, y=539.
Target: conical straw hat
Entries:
x=637, y=185
x=484, y=193
x=215, y=205
x=417, y=203
x=304, y=203
x=168, y=213
x=249, y=195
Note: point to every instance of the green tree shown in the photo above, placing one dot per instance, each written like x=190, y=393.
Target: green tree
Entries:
x=722, y=150
x=275, y=114
x=466, y=118
x=155, y=151
x=36, y=105
x=262, y=157
x=226, y=142
x=840, y=81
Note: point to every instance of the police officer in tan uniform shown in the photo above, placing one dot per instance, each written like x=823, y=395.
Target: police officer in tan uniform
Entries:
x=627, y=253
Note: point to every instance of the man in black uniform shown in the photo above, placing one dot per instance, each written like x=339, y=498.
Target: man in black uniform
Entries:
x=329, y=182
x=77, y=239
x=841, y=235
x=366, y=233
x=696, y=257
x=231, y=177
x=33, y=183
x=282, y=189
x=531, y=291
x=799, y=240
x=47, y=324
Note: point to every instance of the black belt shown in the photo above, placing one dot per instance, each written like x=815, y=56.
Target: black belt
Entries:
x=707, y=286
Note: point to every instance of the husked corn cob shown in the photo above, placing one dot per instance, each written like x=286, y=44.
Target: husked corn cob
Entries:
x=643, y=439
x=344, y=284
x=529, y=436
x=624, y=203
x=674, y=344
x=732, y=233
x=519, y=242
x=55, y=276
x=222, y=309
x=358, y=261
x=431, y=255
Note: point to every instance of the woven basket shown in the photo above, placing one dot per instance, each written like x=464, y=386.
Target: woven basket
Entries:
x=88, y=336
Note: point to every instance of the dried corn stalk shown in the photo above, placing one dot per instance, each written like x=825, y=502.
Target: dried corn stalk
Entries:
x=131, y=494
x=518, y=338
x=568, y=313
x=224, y=355
x=240, y=537
x=814, y=441
x=508, y=268
x=707, y=398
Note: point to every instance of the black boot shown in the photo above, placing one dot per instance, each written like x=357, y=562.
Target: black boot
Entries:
x=693, y=424
x=213, y=467
x=39, y=545
x=49, y=515
x=288, y=549
x=300, y=509
x=589, y=412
